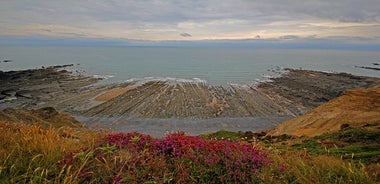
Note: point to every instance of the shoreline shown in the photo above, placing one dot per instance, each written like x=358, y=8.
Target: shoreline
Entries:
x=293, y=93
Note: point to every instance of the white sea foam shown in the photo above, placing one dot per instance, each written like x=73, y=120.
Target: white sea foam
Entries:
x=170, y=80
x=244, y=86
x=103, y=76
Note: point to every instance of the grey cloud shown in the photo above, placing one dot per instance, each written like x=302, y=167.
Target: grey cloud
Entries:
x=185, y=35
x=175, y=11
x=249, y=16
x=172, y=10
x=289, y=37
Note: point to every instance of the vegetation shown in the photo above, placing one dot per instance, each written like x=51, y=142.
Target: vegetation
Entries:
x=224, y=135
x=32, y=154
x=357, y=144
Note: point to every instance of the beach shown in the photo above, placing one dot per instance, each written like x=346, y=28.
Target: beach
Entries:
x=160, y=106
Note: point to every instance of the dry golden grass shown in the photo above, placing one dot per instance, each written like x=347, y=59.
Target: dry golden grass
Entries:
x=356, y=108
x=32, y=154
x=291, y=166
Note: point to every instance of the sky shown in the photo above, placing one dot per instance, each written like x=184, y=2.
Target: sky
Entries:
x=306, y=21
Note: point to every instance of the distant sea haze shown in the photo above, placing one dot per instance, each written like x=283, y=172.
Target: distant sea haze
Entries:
x=214, y=66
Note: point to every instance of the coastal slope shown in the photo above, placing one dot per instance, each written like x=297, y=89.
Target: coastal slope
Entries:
x=45, y=117
x=356, y=108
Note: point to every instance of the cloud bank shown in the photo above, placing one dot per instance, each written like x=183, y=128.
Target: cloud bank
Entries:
x=175, y=20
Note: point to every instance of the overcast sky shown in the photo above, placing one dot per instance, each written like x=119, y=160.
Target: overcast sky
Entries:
x=192, y=19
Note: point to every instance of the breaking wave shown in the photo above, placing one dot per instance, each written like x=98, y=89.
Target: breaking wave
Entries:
x=103, y=76
x=170, y=80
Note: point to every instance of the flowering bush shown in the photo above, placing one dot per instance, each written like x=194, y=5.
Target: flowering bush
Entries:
x=176, y=158
x=133, y=140
x=211, y=160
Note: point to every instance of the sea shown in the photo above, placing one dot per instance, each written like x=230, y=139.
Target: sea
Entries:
x=214, y=66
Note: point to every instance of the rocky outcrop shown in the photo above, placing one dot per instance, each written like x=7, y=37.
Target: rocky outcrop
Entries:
x=306, y=89
x=356, y=108
x=35, y=87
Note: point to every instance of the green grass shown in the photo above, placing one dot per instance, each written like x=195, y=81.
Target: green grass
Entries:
x=310, y=145
x=224, y=135
x=354, y=135
x=365, y=153
x=358, y=144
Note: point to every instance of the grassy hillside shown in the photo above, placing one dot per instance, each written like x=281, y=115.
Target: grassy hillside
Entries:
x=356, y=108
x=45, y=117
x=33, y=154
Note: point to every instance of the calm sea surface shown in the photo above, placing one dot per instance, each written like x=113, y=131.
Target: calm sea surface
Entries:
x=217, y=66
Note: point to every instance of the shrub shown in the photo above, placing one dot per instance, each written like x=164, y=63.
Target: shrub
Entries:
x=176, y=158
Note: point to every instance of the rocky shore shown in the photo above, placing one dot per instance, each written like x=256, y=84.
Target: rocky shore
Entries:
x=306, y=89
x=292, y=94
x=36, y=87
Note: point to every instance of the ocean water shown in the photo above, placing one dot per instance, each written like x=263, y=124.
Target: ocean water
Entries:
x=216, y=66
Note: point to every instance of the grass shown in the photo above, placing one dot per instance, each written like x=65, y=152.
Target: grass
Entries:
x=301, y=167
x=29, y=153
x=354, y=135
x=224, y=135
x=32, y=154
x=359, y=144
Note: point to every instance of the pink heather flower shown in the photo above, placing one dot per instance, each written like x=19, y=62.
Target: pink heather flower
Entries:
x=282, y=167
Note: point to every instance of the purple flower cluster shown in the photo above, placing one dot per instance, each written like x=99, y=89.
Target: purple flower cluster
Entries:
x=178, y=158
x=131, y=140
x=227, y=161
